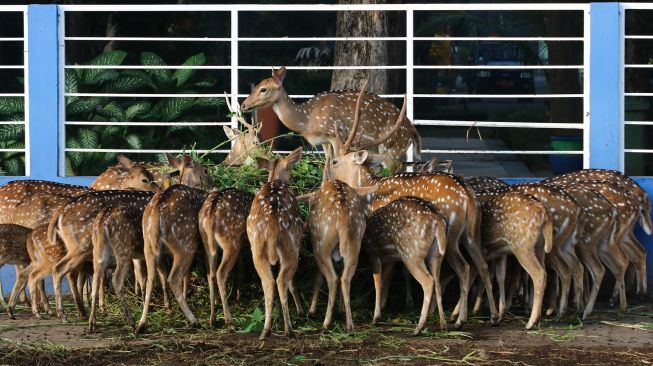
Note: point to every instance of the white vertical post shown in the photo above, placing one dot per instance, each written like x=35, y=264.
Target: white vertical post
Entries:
x=622, y=88
x=586, y=87
x=234, y=65
x=409, y=74
x=61, y=30
x=28, y=161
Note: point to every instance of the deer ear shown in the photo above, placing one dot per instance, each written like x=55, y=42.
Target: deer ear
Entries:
x=263, y=163
x=174, y=161
x=229, y=132
x=375, y=159
x=294, y=156
x=359, y=157
x=187, y=159
x=279, y=74
x=125, y=162
x=430, y=165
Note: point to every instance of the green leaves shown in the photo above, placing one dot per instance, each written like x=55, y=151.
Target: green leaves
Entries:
x=137, y=109
x=88, y=139
x=95, y=76
x=255, y=323
x=11, y=107
x=182, y=75
x=113, y=112
x=12, y=132
x=152, y=59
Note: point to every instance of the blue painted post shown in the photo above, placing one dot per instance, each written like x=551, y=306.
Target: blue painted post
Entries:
x=605, y=128
x=43, y=91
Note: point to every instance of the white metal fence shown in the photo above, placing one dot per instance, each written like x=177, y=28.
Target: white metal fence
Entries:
x=19, y=36
x=637, y=126
x=236, y=68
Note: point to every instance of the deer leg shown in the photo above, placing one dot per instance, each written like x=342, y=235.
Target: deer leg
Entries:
x=21, y=280
x=387, y=272
x=264, y=271
x=152, y=261
x=316, y=292
x=325, y=266
x=349, y=268
x=591, y=259
x=435, y=264
x=475, y=252
x=460, y=266
x=212, y=259
x=102, y=298
x=375, y=263
x=613, y=258
x=176, y=279
x=2, y=292
x=479, y=291
x=637, y=256
x=418, y=269
x=229, y=259
x=501, y=264
x=77, y=297
x=139, y=278
x=295, y=296
x=118, y=282
x=408, y=300
x=284, y=278
x=36, y=275
x=43, y=297
x=515, y=280
x=534, y=264
x=99, y=266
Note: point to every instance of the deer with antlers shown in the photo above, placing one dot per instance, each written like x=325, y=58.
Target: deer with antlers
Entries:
x=274, y=230
x=323, y=119
x=412, y=231
x=449, y=193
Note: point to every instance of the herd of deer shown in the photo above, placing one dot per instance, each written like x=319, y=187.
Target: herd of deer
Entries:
x=566, y=226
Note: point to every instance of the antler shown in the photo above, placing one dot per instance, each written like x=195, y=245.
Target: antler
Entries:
x=354, y=126
x=237, y=111
x=394, y=129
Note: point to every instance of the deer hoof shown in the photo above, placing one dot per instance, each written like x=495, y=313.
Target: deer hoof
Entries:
x=264, y=335
x=10, y=314
x=458, y=326
x=291, y=334
x=196, y=324
x=140, y=328
x=494, y=321
x=91, y=325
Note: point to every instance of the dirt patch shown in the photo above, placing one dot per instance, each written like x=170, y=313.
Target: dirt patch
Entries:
x=605, y=339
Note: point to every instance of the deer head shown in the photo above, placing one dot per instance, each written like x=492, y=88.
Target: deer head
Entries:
x=280, y=168
x=246, y=144
x=267, y=92
x=191, y=172
x=352, y=160
x=136, y=176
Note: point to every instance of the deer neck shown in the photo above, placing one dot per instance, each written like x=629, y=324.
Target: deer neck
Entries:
x=290, y=114
x=366, y=177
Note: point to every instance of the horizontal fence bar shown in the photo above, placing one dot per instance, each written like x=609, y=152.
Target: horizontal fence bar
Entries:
x=12, y=8
x=144, y=123
x=12, y=150
x=12, y=122
x=11, y=39
x=638, y=94
x=12, y=67
x=12, y=94
x=153, y=67
x=328, y=39
x=340, y=67
x=499, y=95
x=639, y=151
x=501, y=39
x=146, y=151
x=638, y=37
x=498, y=67
x=323, y=7
x=502, y=152
x=641, y=123
x=454, y=123
x=638, y=66
x=151, y=39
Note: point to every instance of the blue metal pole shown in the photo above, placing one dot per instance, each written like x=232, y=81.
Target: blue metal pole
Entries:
x=43, y=90
x=605, y=122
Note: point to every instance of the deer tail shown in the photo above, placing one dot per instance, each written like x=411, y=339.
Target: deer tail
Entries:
x=52, y=226
x=547, y=231
x=271, y=247
x=474, y=222
x=441, y=235
x=99, y=231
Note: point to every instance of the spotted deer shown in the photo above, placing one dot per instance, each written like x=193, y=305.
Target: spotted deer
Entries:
x=336, y=224
x=326, y=117
x=636, y=253
x=43, y=256
x=412, y=231
x=449, y=193
x=127, y=174
x=222, y=224
x=274, y=230
x=596, y=232
x=483, y=183
x=518, y=224
x=73, y=224
x=562, y=258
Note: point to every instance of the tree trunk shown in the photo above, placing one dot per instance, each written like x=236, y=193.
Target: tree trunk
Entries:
x=361, y=53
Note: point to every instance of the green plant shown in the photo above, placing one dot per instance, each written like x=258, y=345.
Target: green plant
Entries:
x=12, y=136
x=131, y=109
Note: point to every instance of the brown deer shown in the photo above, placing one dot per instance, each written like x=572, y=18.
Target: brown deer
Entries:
x=222, y=224
x=596, y=232
x=126, y=174
x=274, y=230
x=449, y=193
x=562, y=258
x=518, y=224
x=43, y=256
x=116, y=232
x=326, y=117
x=336, y=224
x=412, y=231
x=73, y=224
x=484, y=183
